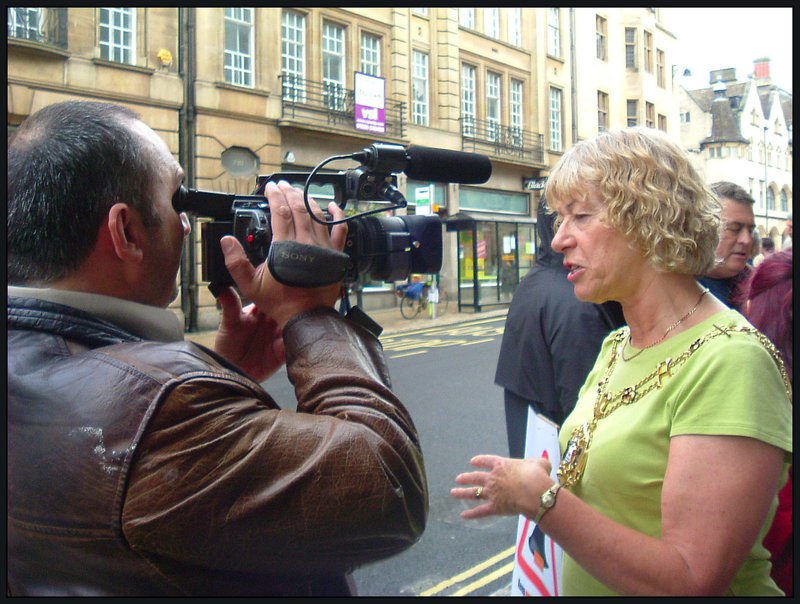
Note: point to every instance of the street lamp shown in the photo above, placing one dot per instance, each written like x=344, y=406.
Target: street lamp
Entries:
x=766, y=185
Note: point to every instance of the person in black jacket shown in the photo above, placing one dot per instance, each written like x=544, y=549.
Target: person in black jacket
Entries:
x=551, y=341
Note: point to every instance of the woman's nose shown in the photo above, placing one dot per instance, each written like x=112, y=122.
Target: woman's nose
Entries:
x=559, y=240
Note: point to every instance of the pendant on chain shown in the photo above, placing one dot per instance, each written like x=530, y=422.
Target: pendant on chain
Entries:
x=575, y=455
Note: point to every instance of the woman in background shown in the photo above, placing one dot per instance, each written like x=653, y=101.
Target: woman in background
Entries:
x=768, y=295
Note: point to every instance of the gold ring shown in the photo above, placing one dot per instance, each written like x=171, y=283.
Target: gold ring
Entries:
x=478, y=493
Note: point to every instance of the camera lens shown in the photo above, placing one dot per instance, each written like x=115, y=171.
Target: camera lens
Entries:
x=390, y=248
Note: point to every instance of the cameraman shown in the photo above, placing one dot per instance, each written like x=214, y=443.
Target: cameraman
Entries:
x=141, y=464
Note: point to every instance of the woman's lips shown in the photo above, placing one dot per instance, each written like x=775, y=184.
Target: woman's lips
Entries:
x=575, y=270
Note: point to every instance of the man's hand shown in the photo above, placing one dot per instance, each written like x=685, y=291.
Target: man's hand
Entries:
x=290, y=221
x=249, y=338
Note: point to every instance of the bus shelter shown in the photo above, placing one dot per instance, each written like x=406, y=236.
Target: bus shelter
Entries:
x=493, y=255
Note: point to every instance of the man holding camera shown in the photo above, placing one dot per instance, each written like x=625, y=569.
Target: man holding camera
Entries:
x=141, y=464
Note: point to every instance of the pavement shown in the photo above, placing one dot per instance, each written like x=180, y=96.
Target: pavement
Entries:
x=391, y=320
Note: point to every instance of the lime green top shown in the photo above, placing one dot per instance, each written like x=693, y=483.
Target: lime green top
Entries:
x=730, y=386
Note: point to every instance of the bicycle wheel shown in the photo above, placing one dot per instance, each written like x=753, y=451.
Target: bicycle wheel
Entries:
x=409, y=307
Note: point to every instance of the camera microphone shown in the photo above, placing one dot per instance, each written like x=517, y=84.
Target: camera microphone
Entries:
x=444, y=165
x=427, y=163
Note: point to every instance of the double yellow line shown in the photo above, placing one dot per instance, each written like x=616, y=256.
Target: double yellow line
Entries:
x=506, y=569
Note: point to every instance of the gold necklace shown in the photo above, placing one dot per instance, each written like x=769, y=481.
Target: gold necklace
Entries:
x=576, y=452
x=666, y=333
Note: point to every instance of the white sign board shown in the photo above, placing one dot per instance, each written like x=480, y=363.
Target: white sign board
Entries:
x=423, y=198
x=537, y=558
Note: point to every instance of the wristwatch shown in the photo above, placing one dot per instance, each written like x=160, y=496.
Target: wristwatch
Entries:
x=547, y=501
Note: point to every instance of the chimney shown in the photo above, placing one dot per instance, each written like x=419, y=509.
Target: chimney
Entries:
x=720, y=90
x=762, y=68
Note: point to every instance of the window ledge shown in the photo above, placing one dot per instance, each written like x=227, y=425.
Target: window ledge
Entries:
x=106, y=63
x=237, y=88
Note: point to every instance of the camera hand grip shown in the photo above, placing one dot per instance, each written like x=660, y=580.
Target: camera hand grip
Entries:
x=302, y=265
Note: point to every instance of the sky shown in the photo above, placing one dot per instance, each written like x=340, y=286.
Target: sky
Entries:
x=717, y=38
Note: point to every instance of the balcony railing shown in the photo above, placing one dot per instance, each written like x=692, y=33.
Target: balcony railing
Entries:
x=489, y=136
x=44, y=25
x=331, y=103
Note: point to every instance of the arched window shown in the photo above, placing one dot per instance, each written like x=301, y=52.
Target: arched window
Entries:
x=770, y=198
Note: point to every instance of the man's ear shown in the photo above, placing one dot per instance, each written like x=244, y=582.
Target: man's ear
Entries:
x=126, y=232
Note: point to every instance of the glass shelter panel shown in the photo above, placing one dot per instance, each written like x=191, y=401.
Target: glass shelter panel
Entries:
x=509, y=260
x=527, y=246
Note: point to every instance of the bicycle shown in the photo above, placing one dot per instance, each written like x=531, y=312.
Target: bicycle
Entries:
x=416, y=297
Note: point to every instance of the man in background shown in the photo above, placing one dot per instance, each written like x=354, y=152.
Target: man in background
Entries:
x=767, y=248
x=735, y=244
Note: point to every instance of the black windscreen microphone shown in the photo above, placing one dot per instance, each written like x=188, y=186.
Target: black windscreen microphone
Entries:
x=444, y=165
x=427, y=163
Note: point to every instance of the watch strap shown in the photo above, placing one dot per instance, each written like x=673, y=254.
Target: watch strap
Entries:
x=547, y=501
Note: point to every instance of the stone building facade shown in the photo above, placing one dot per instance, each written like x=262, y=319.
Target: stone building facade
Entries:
x=241, y=92
x=741, y=131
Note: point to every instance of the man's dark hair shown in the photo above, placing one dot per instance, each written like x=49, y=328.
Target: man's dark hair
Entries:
x=67, y=165
x=768, y=244
x=729, y=190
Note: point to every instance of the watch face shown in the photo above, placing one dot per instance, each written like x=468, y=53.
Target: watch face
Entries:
x=548, y=499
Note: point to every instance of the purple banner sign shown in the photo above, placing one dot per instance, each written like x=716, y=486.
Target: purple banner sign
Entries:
x=370, y=102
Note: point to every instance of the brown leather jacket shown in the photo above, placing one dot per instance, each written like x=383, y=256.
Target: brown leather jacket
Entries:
x=145, y=468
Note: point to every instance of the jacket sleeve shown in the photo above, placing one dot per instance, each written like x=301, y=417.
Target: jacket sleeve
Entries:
x=226, y=480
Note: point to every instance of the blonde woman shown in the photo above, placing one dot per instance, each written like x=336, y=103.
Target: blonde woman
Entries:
x=681, y=436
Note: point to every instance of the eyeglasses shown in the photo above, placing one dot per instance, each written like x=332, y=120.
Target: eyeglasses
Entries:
x=735, y=228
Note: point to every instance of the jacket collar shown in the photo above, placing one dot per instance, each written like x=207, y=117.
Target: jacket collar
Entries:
x=138, y=321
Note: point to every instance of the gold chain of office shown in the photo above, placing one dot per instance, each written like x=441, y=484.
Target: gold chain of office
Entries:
x=576, y=453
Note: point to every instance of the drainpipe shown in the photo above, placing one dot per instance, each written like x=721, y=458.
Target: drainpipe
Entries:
x=573, y=75
x=186, y=155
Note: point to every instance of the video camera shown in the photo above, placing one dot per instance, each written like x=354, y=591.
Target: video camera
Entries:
x=385, y=248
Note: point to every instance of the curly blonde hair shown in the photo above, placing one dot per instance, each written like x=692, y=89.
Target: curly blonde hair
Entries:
x=651, y=192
